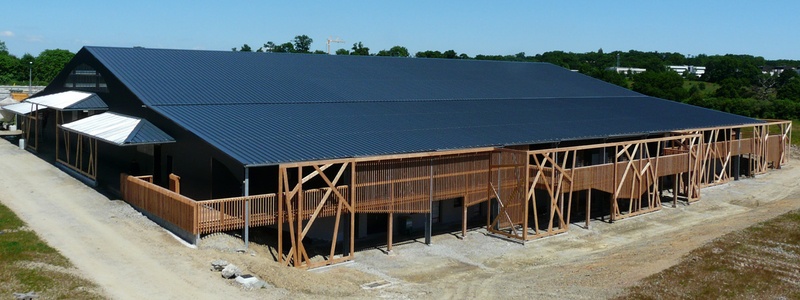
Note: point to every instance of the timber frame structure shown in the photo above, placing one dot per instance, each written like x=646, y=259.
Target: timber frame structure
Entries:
x=326, y=150
x=531, y=192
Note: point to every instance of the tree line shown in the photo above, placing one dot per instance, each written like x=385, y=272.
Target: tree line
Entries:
x=732, y=83
x=42, y=68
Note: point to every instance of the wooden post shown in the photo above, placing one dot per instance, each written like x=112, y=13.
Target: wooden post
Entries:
x=246, y=206
x=58, y=119
x=738, y=161
x=588, y=207
x=464, y=208
x=299, y=219
x=280, y=215
x=390, y=233
x=464, y=218
x=429, y=219
x=353, y=207
x=527, y=186
x=675, y=191
x=616, y=183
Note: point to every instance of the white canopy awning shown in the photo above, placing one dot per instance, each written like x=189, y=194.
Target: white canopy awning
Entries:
x=70, y=100
x=22, y=108
x=120, y=130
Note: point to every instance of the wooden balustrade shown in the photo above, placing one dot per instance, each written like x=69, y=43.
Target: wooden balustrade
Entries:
x=216, y=215
x=167, y=205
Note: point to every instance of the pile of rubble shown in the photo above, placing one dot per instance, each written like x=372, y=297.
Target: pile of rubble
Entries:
x=231, y=271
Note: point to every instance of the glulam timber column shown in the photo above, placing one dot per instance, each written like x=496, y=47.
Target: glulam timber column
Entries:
x=553, y=171
x=506, y=189
x=300, y=208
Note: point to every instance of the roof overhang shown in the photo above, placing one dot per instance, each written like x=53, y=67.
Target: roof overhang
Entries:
x=120, y=130
x=22, y=108
x=70, y=100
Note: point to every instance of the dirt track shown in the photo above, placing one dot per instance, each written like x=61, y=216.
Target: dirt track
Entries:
x=132, y=258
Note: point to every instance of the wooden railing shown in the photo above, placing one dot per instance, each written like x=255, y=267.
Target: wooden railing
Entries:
x=407, y=186
x=216, y=215
x=172, y=207
x=229, y=213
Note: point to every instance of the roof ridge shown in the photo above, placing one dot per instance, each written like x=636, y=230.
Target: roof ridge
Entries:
x=394, y=100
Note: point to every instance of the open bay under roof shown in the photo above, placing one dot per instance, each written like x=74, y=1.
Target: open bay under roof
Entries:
x=270, y=108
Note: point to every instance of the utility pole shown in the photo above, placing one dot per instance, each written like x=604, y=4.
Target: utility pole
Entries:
x=30, y=78
x=330, y=40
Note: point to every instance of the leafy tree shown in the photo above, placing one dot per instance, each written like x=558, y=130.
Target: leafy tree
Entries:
x=244, y=48
x=359, y=49
x=734, y=88
x=398, y=51
x=560, y=58
x=284, y=48
x=610, y=77
x=302, y=44
x=667, y=85
x=319, y=52
x=3, y=48
x=764, y=88
x=9, y=68
x=790, y=90
x=673, y=58
x=786, y=76
x=342, y=51
x=429, y=54
x=732, y=66
x=450, y=54
x=269, y=47
x=49, y=63
x=785, y=109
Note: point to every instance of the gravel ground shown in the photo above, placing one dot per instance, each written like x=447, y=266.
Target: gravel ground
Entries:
x=132, y=258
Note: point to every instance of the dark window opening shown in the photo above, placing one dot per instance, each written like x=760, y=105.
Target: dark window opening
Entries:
x=84, y=77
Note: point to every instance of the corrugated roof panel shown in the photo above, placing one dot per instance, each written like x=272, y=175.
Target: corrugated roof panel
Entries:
x=218, y=77
x=22, y=108
x=70, y=100
x=119, y=129
x=299, y=132
x=294, y=107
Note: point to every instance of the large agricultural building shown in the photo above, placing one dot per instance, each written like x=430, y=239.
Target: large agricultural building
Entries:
x=336, y=148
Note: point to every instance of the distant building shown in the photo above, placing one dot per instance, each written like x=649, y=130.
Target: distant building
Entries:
x=695, y=70
x=772, y=71
x=626, y=70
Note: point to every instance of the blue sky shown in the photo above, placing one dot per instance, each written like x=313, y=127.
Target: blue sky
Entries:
x=761, y=28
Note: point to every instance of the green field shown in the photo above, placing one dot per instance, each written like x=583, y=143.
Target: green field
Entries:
x=28, y=264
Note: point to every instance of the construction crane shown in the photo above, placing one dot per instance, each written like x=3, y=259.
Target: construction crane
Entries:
x=330, y=40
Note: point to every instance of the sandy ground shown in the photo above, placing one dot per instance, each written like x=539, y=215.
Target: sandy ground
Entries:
x=111, y=244
x=132, y=258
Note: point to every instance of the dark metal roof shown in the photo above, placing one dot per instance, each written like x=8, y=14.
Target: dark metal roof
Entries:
x=269, y=108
